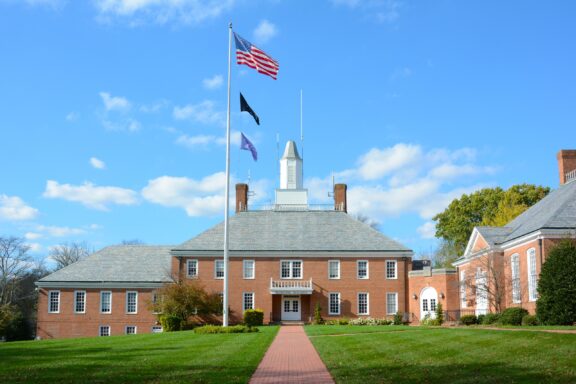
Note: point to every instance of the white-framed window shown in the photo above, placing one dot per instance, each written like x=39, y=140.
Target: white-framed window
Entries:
x=105, y=302
x=157, y=329
x=515, y=274
x=131, y=302
x=532, y=276
x=218, y=269
x=249, y=269
x=362, y=269
x=433, y=305
x=391, y=269
x=333, y=269
x=79, y=301
x=192, y=269
x=363, y=304
x=131, y=330
x=248, y=300
x=334, y=303
x=391, y=303
x=291, y=269
x=54, y=302
x=463, y=301
x=104, y=330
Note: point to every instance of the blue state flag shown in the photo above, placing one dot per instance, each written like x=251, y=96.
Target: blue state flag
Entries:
x=247, y=145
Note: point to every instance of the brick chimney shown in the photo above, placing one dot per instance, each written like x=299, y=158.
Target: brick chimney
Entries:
x=241, y=197
x=340, y=197
x=566, y=164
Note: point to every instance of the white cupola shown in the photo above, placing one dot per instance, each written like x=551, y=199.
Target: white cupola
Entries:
x=291, y=194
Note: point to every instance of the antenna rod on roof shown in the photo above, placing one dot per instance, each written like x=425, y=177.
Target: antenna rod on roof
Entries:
x=278, y=154
x=302, y=134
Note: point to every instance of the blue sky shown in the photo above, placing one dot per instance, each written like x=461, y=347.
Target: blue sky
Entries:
x=113, y=111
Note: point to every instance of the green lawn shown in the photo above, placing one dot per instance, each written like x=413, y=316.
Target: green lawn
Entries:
x=388, y=354
x=179, y=357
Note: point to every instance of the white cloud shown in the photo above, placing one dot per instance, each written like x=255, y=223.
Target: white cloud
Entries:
x=204, y=112
x=115, y=103
x=203, y=197
x=97, y=163
x=154, y=107
x=213, y=82
x=130, y=125
x=34, y=247
x=14, y=208
x=54, y=231
x=264, y=32
x=196, y=141
x=72, y=117
x=382, y=162
x=137, y=12
x=32, y=235
x=90, y=195
x=383, y=11
x=427, y=230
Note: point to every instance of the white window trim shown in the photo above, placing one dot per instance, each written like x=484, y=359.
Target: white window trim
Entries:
x=516, y=296
x=395, y=269
x=244, y=302
x=339, y=303
x=216, y=269
x=50, y=301
x=395, y=302
x=126, y=304
x=367, y=304
x=292, y=269
x=244, y=262
x=101, y=294
x=76, y=301
x=135, y=330
x=337, y=277
x=358, y=270
x=188, y=268
x=100, y=330
x=532, y=289
x=157, y=327
x=463, y=299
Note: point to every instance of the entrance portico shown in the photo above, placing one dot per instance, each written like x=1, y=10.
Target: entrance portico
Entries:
x=290, y=299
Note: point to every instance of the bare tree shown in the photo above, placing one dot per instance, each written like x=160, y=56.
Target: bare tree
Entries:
x=489, y=281
x=132, y=242
x=67, y=253
x=367, y=220
x=14, y=264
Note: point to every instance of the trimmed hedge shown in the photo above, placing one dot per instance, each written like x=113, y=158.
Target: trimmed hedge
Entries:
x=489, y=319
x=529, y=320
x=253, y=317
x=513, y=316
x=469, y=319
x=171, y=323
x=214, y=329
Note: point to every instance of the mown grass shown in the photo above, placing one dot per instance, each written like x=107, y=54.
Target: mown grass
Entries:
x=179, y=357
x=385, y=354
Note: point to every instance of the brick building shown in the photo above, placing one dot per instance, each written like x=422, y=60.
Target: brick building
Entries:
x=283, y=260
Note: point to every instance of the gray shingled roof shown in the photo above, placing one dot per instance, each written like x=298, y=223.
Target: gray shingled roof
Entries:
x=294, y=231
x=555, y=211
x=118, y=263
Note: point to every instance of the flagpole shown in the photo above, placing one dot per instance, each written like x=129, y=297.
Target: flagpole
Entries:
x=302, y=135
x=227, y=193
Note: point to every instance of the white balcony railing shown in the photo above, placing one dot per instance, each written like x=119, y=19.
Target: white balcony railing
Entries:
x=291, y=287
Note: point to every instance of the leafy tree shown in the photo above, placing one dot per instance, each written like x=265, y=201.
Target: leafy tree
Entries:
x=14, y=264
x=186, y=299
x=68, y=253
x=445, y=254
x=557, y=286
x=488, y=206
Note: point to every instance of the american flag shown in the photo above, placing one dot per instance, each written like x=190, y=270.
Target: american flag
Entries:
x=247, y=53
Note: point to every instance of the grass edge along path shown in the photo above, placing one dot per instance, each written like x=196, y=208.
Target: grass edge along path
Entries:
x=176, y=357
x=383, y=354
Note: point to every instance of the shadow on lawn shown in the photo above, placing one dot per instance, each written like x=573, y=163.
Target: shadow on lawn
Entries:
x=454, y=374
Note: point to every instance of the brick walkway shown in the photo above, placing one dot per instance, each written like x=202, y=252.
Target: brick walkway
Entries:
x=291, y=359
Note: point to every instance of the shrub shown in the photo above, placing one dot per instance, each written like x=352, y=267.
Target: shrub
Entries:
x=439, y=314
x=343, y=321
x=489, y=318
x=557, y=286
x=213, y=329
x=481, y=318
x=253, y=317
x=369, y=321
x=529, y=320
x=318, y=314
x=427, y=321
x=468, y=320
x=398, y=318
x=171, y=323
x=513, y=316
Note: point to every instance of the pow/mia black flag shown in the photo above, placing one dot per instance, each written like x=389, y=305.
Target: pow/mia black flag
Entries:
x=244, y=107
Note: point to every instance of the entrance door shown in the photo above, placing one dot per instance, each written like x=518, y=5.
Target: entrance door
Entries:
x=428, y=301
x=291, y=308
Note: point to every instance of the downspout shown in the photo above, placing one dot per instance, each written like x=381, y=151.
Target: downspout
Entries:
x=540, y=247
